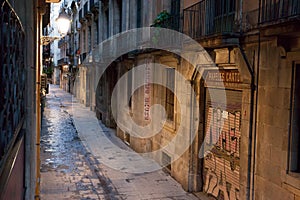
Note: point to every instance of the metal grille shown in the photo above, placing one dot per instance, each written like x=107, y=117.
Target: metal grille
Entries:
x=223, y=131
x=12, y=78
x=273, y=10
x=209, y=17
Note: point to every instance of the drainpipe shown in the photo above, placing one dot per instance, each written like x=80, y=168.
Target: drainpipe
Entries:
x=190, y=177
x=256, y=105
x=252, y=130
x=252, y=127
x=253, y=87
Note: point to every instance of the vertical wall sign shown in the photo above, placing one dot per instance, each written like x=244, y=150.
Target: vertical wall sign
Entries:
x=147, y=92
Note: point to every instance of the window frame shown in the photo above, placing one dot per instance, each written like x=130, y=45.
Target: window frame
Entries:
x=290, y=180
x=170, y=93
x=293, y=102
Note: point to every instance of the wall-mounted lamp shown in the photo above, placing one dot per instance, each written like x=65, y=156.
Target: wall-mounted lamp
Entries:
x=63, y=23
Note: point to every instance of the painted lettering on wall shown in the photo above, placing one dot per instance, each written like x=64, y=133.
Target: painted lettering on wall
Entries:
x=147, y=92
x=228, y=76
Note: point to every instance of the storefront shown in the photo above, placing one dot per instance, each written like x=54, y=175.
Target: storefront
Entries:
x=222, y=135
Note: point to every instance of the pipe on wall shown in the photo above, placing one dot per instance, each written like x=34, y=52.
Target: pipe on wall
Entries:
x=191, y=161
x=40, y=12
x=256, y=106
x=251, y=117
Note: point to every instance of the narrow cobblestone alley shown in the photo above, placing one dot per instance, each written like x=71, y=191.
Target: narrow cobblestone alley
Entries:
x=75, y=148
x=67, y=170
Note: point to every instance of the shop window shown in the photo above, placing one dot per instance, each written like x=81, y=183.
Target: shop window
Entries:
x=295, y=122
x=170, y=81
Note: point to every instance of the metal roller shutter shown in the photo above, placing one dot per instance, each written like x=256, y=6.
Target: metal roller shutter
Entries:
x=223, y=132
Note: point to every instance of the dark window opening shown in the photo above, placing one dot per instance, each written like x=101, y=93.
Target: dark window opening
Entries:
x=90, y=39
x=97, y=32
x=170, y=74
x=175, y=14
x=119, y=3
x=107, y=23
x=175, y=7
x=295, y=122
x=139, y=13
x=129, y=89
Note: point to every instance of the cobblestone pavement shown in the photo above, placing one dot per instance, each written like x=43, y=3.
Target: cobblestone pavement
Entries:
x=68, y=171
x=74, y=160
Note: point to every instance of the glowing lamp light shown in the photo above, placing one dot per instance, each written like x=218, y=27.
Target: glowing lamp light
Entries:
x=63, y=22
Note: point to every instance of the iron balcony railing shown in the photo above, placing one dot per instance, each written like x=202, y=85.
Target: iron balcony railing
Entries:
x=210, y=17
x=278, y=10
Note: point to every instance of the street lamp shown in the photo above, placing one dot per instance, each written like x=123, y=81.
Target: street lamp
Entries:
x=63, y=22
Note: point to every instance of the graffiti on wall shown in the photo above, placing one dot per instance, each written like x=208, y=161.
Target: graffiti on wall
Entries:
x=221, y=165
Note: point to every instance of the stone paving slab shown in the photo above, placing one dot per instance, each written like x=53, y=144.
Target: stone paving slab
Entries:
x=68, y=170
x=112, y=161
x=101, y=142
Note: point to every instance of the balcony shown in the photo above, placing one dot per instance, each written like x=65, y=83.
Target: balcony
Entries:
x=94, y=6
x=210, y=18
x=166, y=39
x=61, y=43
x=63, y=61
x=171, y=22
x=279, y=11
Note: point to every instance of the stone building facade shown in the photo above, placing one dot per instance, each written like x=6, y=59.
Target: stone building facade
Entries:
x=245, y=104
x=21, y=27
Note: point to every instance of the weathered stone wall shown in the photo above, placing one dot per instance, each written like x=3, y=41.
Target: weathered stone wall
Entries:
x=273, y=121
